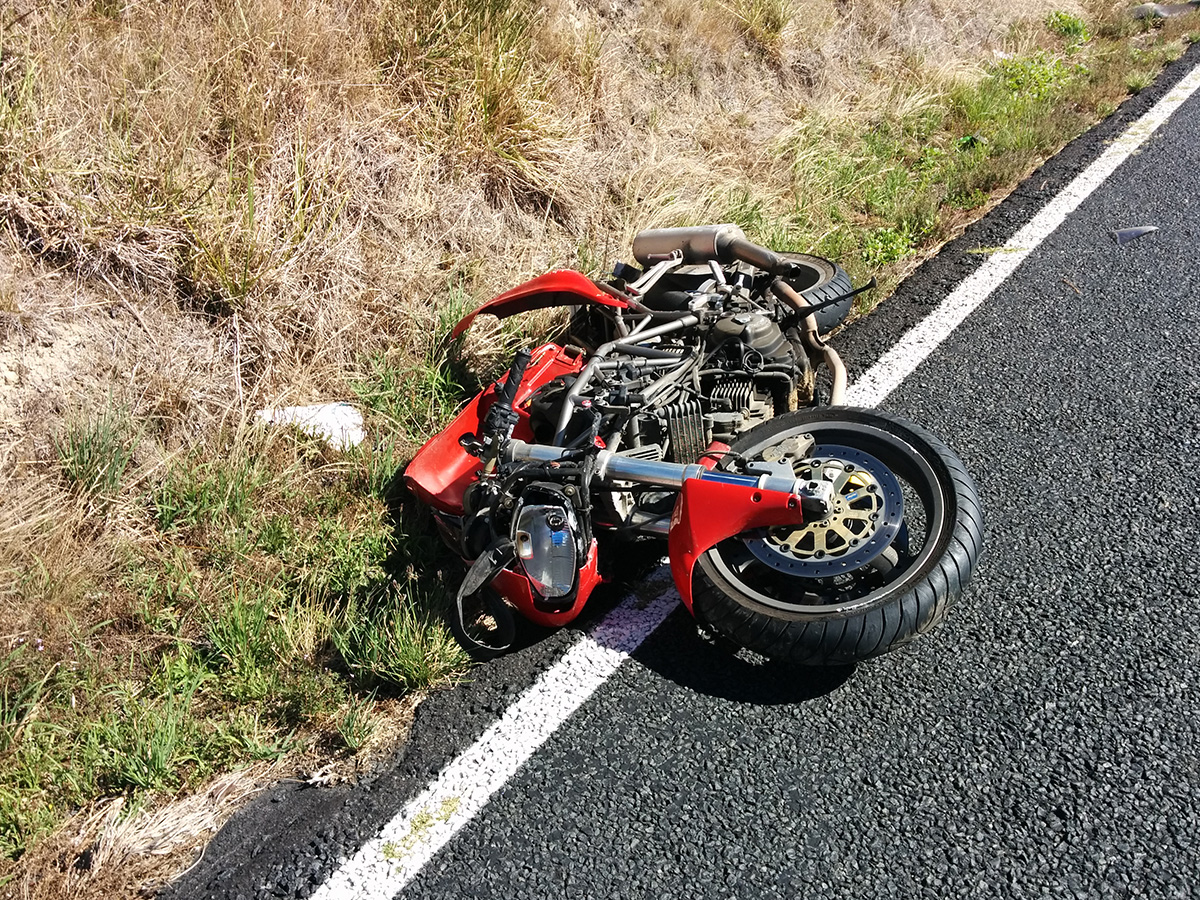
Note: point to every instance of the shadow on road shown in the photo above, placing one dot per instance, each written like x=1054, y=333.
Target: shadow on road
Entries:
x=678, y=652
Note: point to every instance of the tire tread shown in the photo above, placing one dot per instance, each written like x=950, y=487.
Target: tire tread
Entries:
x=841, y=638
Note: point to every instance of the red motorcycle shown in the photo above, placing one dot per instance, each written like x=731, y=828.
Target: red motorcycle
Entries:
x=682, y=404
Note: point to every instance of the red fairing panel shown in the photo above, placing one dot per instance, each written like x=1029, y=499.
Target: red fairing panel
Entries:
x=708, y=512
x=562, y=288
x=442, y=469
x=515, y=588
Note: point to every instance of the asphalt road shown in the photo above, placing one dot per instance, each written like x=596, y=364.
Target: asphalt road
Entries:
x=1043, y=742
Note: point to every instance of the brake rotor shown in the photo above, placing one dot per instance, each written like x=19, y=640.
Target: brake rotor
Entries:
x=867, y=513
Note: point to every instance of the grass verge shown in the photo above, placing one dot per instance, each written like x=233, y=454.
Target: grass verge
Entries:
x=210, y=209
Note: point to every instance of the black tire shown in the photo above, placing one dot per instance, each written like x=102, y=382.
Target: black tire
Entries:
x=824, y=619
x=830, y=281
x=819, y=280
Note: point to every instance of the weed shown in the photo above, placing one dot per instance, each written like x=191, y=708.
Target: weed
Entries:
x=20, y=694
x=357, y=723
x=245, y=737
x=1036, y=77
x=197, y=491
x=467, y=63
x=21, y=821
x=162, y=587
x=94, y=452
x=306, y=695
x=761, y=22
x=304, y=631
x=413, y=396
x=1138, y=81
x=378, y=469
x=338, y=558
x=972, y=198
x=752, y=213
x=398, y=640
x=1069, y=27
x=886, y=245
x=227, y=261
x=141, y=745
x=243, y=638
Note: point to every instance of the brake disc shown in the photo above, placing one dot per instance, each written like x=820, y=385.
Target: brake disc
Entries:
x=867, y=513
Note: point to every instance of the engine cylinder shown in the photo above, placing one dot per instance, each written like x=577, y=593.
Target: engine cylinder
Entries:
x=757, y=332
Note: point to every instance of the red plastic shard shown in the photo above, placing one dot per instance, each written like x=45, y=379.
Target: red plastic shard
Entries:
x=562, y=288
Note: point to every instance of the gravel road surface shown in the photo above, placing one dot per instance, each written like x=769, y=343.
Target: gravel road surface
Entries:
x=1043, y=742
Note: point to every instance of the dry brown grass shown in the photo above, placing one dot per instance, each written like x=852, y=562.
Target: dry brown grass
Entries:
x=115, y=850
x=305, y=174
x=209, y=207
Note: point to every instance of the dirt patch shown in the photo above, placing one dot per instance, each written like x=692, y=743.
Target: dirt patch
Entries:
x=68, y=347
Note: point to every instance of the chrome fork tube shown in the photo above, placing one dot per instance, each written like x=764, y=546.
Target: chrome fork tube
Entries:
x=615, y=467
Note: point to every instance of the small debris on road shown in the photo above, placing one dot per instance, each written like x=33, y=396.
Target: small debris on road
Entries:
x=1124, y=235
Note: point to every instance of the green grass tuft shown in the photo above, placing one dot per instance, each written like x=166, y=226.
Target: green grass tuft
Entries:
x=357, y=723
x=198, y=491
x=1069, y=27
x=93, y=452
x=398, y=640
x=761, y=22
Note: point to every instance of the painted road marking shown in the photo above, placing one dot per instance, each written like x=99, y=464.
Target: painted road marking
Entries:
x=385, y=864
x=923, y=338
x=388, y=862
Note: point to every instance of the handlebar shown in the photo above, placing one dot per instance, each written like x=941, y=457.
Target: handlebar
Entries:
x=516, y=372
x=749, y=252
x=501, y=418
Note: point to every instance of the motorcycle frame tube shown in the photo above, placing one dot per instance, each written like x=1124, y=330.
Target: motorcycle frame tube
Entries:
x=615, y=467
x=585, y=377
x=654, y=274
x=745, y=501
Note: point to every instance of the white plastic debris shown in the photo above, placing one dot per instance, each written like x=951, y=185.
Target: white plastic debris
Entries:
x=339, y=424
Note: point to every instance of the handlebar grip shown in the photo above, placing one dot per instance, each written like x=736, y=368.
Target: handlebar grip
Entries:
x=516, y=372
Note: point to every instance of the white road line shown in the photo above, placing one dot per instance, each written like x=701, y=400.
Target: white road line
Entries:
x=385, y=864
x=922, y=339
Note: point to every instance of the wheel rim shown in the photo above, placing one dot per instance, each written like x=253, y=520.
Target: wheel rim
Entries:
x=868, y=511
x=786, y=582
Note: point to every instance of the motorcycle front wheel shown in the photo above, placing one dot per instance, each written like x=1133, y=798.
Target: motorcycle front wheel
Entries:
x=901, y=543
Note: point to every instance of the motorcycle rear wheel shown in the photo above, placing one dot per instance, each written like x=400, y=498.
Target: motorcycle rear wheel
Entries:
x=771, y=592
x=823, y=281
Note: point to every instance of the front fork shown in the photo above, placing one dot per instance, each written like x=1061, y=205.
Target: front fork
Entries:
x=711, y=506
